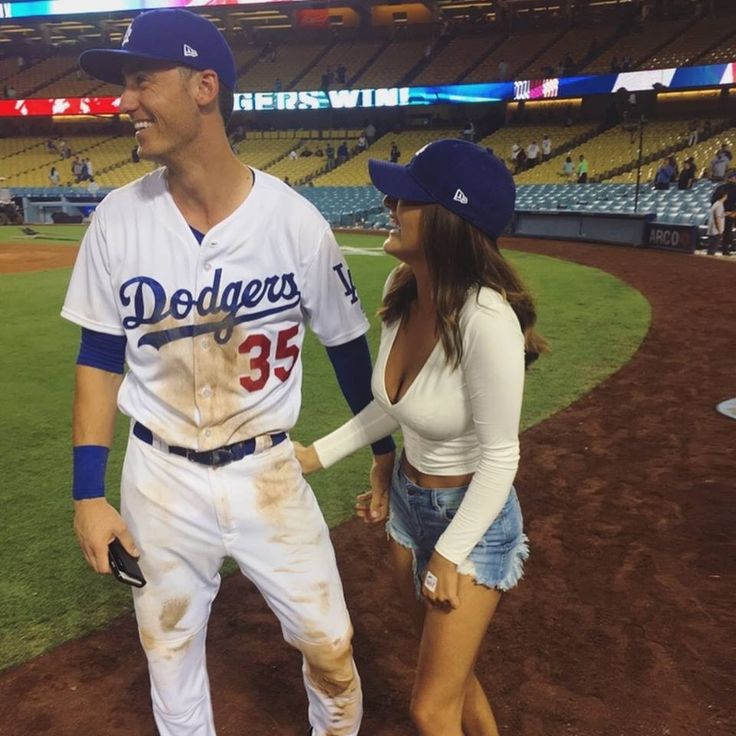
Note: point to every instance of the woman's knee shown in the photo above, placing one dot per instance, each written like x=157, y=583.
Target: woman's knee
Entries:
x=435, y=718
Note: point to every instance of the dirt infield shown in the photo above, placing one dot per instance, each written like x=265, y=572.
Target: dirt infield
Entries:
x=35, y=256
x=624, y=623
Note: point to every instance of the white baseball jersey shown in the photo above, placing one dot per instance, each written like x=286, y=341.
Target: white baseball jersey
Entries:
x=214, y=331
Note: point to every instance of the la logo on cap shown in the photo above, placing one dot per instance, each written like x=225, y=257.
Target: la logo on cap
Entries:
x=189, y=51
x=460, y=197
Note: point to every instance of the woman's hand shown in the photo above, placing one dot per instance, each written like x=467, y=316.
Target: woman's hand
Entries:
x=372, y=506
x=307, y=457
x=440, y=583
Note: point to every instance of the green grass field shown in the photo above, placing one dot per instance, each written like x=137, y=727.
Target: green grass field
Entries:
x=47, y=595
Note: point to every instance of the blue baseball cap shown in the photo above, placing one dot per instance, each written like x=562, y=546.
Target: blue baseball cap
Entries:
x=170, y=35
x=466, y=178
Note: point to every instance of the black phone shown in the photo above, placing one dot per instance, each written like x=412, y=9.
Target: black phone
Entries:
x=123, y=565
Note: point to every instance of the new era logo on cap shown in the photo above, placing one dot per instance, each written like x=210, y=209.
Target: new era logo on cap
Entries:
x=460, y=197
x=189, y=51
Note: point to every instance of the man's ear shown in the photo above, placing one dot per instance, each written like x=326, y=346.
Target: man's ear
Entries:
x=208, y=88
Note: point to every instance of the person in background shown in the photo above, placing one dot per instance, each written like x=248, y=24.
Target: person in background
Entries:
x=687, y=175
x=568, y=168
x=716, y=221
x=582, y=169
x=54, y=176
x=663, y=177
x=546, y=148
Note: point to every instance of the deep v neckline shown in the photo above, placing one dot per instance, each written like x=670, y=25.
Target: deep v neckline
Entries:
x=397, y=401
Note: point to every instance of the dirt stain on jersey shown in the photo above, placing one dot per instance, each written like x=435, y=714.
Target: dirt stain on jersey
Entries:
x=173, y=611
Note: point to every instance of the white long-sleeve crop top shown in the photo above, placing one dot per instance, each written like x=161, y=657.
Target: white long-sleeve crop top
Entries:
x=454, y=422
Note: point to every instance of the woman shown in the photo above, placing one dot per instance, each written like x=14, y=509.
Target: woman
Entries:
x=568, y=168
x=54, y=177
x=457, y=326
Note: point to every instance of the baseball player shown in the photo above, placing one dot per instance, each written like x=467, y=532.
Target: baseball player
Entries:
x=202, y=276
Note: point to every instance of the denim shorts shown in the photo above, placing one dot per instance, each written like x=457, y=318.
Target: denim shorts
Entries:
x=418, y=516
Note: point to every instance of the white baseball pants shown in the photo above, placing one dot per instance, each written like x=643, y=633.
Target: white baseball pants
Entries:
x=186, y=518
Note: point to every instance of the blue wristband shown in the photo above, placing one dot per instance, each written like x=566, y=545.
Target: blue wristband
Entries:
x=89, y=465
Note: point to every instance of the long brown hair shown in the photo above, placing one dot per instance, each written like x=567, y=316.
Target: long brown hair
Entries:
x=461, y=258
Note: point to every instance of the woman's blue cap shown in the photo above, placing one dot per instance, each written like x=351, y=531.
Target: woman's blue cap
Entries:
x=464, y=177
x=171, y=35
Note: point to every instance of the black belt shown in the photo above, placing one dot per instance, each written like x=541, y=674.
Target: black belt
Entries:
x=219, y=456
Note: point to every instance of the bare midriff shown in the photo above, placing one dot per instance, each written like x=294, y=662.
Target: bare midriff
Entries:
x=425, y=480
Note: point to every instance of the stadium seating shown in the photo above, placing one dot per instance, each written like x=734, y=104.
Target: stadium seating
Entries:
x=355, y=171
x=291, y=61
x=454, y=60
x=354, y=55
x=394, y=63
x=517, y=51
x=695, y=40
x=639, y=44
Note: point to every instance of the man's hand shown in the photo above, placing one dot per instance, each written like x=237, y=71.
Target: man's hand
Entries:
x=372, y=506
x=96, y=524
x=307, y=457
x=440, y=583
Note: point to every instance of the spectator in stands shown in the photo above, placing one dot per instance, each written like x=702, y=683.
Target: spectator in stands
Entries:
x=663, y=177
x=277, y=85
x=88, y=170
x=306, y=152
x=568, y=64
x=342, y=153
x=532, y=154
x=469, y=131
x=568, y=168
x=726, y=152
x=341, y=74
x=717, y=221
x=687, y=175
x=503, y=70
x=51, y=146
x=286, y=181
x=325, y=83
x=293, y=155
x=520, y=161
x=718, y=166
x=515, y=148
x=692, y=132
x=370, y=133
x=730, y=207
x=318, y=151
x=362, y=143
x=64, y=149
x=77, y=169
x=672, y=161
x=54, y=177
x=134, y=155
x=330, y=153
x=10, y=92
x=92, y=186
x=615, y=66
x=582, y=169
x=707, y=131
x=394, y=154
x=546, y=148
x=626, y=64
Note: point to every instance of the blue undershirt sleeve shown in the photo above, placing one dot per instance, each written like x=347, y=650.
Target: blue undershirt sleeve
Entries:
x=351, y=362
x=103, y=351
